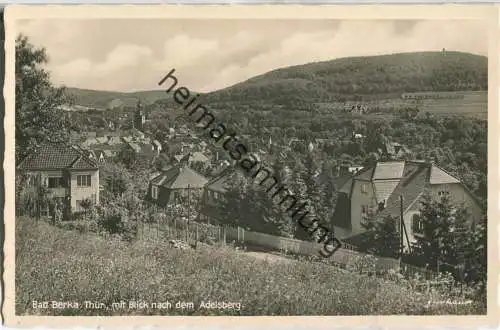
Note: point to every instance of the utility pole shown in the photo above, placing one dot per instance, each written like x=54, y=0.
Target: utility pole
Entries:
x=188, y=214
x=438, y=262
x=401, y=226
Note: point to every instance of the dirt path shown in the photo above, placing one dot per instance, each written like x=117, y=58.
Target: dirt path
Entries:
x=267, y=256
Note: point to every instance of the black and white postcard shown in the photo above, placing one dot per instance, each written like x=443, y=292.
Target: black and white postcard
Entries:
x=255, y=161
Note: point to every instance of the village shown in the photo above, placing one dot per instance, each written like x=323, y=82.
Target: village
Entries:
x=119, y=196
x=191, y=182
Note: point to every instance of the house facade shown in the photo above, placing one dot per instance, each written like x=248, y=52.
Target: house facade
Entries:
x=376, y=191
x=70, y=176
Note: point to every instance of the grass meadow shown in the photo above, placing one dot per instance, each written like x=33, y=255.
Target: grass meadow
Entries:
x=54, y=264
x=467, y=103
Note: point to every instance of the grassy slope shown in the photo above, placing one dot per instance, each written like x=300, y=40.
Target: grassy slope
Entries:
x=54, y=264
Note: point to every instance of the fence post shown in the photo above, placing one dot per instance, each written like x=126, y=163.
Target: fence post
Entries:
x=197, y=236
x=224, y=231
x=157, y=227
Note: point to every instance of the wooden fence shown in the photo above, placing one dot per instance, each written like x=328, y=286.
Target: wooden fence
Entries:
x=193, y=232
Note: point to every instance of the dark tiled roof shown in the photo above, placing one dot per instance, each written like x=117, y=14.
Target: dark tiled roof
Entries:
x=346, y=188
x=339, y=182
x=414, y=181
x=56, y=156
x=221, y=181
x=180, y=177
x=365, y=174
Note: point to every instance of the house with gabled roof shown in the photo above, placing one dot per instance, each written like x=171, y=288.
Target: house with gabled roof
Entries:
x=192, y=157
x=375, y=192
x=69, y=174
x=214, y=193
x=175, y=184
x=142, y=152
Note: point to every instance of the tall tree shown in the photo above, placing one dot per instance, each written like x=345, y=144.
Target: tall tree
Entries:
x=39, y=118
x=476, y=254
x=382, y=237
x=444, y=233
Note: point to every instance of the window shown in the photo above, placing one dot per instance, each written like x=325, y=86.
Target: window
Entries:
x=417, y=225
x=56, y=182
x=83, y=180
x=154, y=192
x=364, y=188
x=223, y=198
x=443, y=193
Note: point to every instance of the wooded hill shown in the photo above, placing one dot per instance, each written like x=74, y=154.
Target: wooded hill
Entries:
x=356, y=78
x=109, y=100
x=351, y=78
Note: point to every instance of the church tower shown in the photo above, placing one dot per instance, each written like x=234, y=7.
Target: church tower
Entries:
x=139, y=116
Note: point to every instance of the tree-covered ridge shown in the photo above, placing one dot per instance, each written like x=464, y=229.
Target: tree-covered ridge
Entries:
x=352, y=78
x=358, y=77
x=109, y=100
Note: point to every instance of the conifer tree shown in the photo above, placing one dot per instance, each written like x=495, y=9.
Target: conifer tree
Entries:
x=444, y=238
x=382, y=237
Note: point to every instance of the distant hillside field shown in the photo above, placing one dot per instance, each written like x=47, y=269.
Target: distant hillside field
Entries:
x=466, y=103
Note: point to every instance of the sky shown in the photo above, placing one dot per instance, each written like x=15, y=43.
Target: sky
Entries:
x=134, y=54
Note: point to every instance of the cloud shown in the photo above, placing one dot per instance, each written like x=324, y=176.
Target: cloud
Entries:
x=358, y=38
x=182, y=51
x=209, y=55
x=120, y=59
